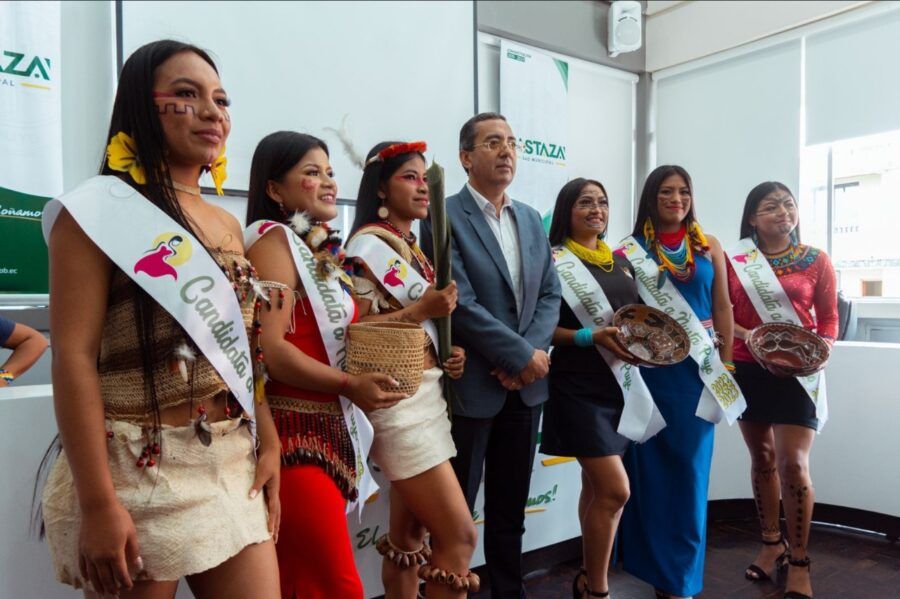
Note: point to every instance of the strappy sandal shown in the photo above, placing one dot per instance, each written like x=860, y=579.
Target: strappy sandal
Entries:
x=798, y=563
x=578, y=592
x=757, y=574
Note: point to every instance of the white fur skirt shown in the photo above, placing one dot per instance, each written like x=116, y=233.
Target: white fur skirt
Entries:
x=192, y=511
x=414, y=435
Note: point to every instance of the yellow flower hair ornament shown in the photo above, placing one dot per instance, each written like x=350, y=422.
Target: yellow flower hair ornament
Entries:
x=218, y=173
x=121, y=155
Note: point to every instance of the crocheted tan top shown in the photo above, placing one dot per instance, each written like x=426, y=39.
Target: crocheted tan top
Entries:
x=122, y=381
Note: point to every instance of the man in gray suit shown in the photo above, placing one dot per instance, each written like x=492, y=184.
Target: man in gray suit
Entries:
x=507, y=310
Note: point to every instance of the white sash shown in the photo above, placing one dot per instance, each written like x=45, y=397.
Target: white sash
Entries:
x=333, y=309
x=640, y=418
x=394, y=273
x=773, y=305
x=721, y=394
x=171, y=266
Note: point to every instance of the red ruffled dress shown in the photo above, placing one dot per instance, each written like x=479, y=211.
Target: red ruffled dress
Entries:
x=318, y=475
x=809, y=280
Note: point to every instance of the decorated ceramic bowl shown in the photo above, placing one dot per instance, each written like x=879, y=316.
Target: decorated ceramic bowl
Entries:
x=787, y=350
x=651, y=335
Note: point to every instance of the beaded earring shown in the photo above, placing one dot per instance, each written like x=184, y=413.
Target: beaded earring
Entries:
x=383, y=213
x=754, y=236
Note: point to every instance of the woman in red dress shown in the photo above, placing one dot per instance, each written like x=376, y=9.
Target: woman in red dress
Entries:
x=780, y=422
x=291, y=175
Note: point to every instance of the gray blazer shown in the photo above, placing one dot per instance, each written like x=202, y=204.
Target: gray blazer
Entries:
x=485, y=322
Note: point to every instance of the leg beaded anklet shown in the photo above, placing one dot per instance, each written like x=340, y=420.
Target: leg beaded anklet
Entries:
x=458, y=582
x=403, y=559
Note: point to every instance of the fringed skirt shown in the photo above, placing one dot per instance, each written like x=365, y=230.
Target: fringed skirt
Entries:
x=314, y=433
x=192, y=510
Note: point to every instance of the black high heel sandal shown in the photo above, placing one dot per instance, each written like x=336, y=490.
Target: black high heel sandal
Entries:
x=579, y=593
x=757, y=574
x=798, y=563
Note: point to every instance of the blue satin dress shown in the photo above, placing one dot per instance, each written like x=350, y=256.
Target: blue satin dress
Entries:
x=662, y=536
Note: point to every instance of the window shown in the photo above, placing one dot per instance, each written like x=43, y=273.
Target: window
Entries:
x=857, y=222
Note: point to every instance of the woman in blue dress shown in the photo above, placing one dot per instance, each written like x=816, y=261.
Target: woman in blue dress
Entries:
x=663, y=529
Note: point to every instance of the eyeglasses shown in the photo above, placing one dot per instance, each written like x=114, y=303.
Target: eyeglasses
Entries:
x=494, y=145
x=602, y=204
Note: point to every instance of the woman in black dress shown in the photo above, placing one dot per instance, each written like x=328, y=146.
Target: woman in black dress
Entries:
x=585, y=405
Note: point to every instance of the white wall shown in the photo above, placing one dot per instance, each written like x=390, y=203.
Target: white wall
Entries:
x=686, y=31
x=88, y=85
x=854, y=460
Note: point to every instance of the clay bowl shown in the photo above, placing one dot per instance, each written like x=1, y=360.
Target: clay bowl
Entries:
x=651, y=335
x=788, y=350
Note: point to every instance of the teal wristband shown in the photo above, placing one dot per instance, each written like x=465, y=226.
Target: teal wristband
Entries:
x=584, y=337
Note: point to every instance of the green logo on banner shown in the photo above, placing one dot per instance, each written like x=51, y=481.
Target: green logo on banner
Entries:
x=17, y=63
x=536, y=147
x=515, y=55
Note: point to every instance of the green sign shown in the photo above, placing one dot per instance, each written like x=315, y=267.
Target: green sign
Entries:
x=23, y=254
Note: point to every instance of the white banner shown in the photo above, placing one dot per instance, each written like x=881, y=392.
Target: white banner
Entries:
x=534, y=91
x=30, y=138
x=773, y=305
x=551, y=516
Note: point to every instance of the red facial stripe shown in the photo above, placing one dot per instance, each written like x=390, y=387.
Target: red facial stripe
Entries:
x=418, y=181
x=165, y=95
x=308, y=184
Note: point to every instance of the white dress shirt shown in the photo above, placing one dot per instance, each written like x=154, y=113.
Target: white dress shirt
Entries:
x=504, y=229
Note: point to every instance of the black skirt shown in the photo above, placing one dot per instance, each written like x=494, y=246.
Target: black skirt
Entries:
x=582, y=415
x=772, y=399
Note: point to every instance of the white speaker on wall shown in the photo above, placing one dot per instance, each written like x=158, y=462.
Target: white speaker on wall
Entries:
x=624, y=27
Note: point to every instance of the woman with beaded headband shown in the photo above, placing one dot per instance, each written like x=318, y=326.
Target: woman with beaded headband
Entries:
x=157, y=477
x=412, y=442
x=582, y=416
x=780, y=421
x=663, y=529
x=292, y=183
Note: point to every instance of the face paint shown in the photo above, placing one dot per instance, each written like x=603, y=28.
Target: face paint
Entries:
x=308, y=184
x=182, y=105
x=416, y=180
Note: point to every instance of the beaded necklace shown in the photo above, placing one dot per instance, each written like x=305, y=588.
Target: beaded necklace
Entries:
x=678, y=260
x=602, y=257
x=796, y=258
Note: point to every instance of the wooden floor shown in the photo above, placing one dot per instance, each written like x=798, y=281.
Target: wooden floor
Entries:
x=846, y=564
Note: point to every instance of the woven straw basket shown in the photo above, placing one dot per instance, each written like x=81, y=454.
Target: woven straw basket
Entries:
x=394, y=348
